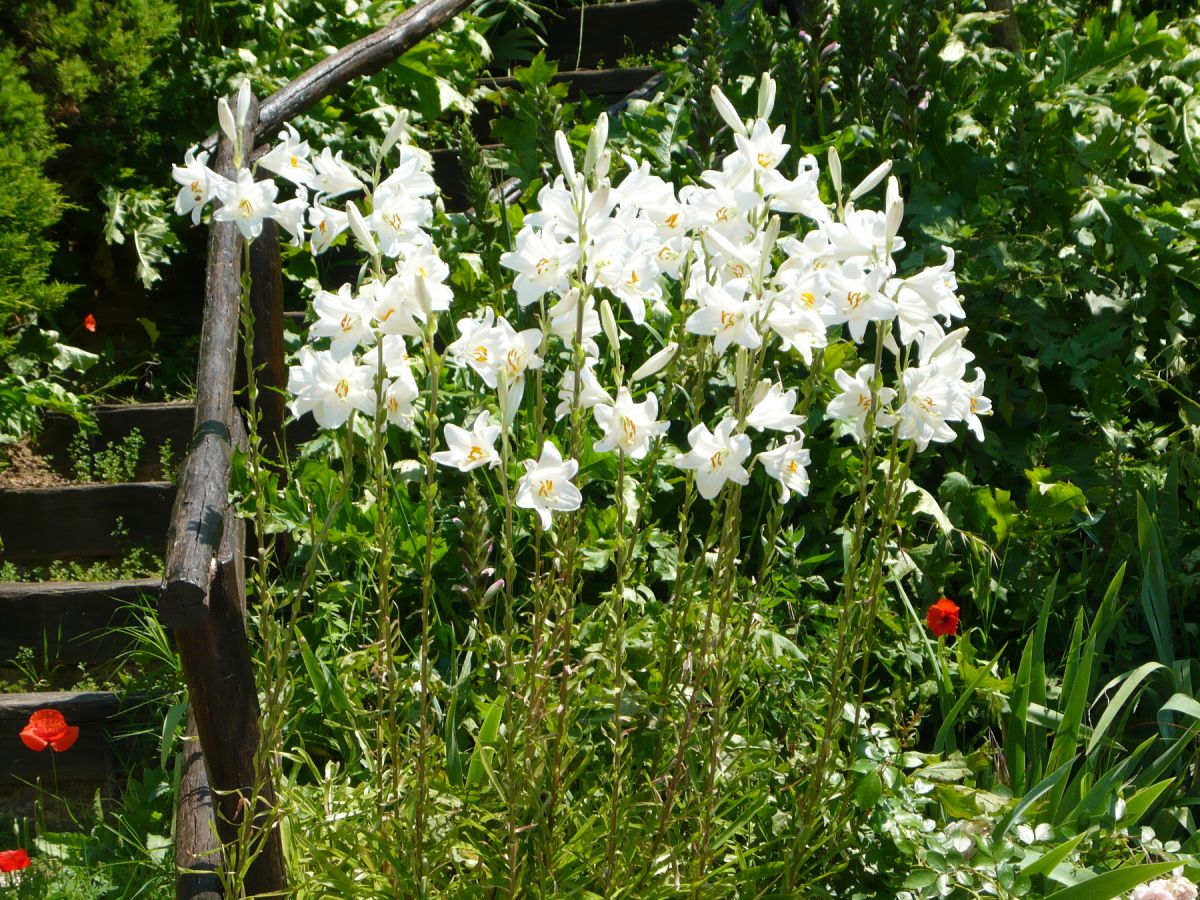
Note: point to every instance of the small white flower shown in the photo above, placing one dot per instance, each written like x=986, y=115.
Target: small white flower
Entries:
x=330, y=388
x=542, y=264
x=628, y=426
x=345, y=317
x=773, y=409
x=289, y=158
x=787, y=464
x=853, y=404
x=590, y=390
x=857, y=299
x=726, y=317
x=546, y=485
x=246, y=203
x=326, y=224
x=762, y=149
x=716, y=457
x=333, y=176
x=470, y=449
x=197, y=181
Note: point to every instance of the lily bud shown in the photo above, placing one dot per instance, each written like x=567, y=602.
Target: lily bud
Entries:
x=565, y=161
x=766, y=96
x=359, y=226
x=609, y=322
x=243, y=102
x=835, y=171
x=424, y=301
x=728, y=113
x=596, y=143
x=397, y=131
x=602, y=165
x=656, y=363
x=894, y=208
x=225, y=117
x=868, y=183
x=598, y=201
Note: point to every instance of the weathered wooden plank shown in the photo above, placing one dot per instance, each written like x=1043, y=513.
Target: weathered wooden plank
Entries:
x=363, y=57
x=70, y=621
x=613, y=30
x=197, y=847
x=266, y=304
x=78, y=521
x=159, y=424
x=222, y=691
x=198, y=518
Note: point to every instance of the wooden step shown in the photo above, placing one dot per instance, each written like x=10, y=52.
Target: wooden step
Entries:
x=38, y=525
x=160, y=424
x=106, y=721
x=68, y=622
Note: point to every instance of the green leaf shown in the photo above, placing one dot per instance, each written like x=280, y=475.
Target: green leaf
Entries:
x=1044, y=864
x=1113, y=884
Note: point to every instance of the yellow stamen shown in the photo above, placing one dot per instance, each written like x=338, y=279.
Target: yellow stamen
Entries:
x=546, y=488
x=342, y=389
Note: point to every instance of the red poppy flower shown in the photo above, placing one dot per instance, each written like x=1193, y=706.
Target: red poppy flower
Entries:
x=942, y=617
x=12, y=860
x=48, y=728
x=90, y=322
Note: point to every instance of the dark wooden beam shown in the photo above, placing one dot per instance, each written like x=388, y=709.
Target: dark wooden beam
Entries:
x=197, y=848
x=266, y=304
x=201, y=506
x=224, y=697
x=84, y=521
x=69, y=621
x=364, y=57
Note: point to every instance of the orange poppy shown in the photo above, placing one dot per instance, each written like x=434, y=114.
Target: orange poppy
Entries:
x=48, y=728
x=942, y=617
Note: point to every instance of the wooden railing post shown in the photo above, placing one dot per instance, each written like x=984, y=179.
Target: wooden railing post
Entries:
x=197, y=849
x=266, y=305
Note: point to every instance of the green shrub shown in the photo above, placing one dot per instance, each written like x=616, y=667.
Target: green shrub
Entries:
x=30, y=203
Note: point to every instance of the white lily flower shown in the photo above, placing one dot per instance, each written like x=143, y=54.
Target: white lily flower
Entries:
x=290, y=158
x=542, y=264
x=929, y=400
x=479, y=346
x=773, y=409
x=862, y=238
x=546, y=485
x=198, y=184
x=564, y=321
x=290, y=214
x=853, y=404
x=725, y=317
x=330, y=388
x=333, y=176
x=398, y=216
x=787, y=464
x=762, y=149
x=977, y=405
x=470, y=449
x=628, y=426
x=716, y=457
x=326, y=224
x=857, y=299
x=246, y=203
x=344, y=317
x=591, y=392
